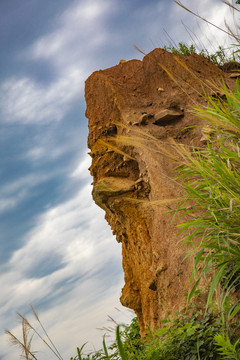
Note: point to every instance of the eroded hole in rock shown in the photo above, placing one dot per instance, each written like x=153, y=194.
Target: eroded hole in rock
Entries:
x=168, y=117
x=112, y=130
x=165, y=122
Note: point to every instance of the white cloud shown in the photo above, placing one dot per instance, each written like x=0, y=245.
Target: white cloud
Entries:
x=82, y=172
x=65, y=234
x=69, y=49
x=202, y=33
x=73, y=323
x=26, y=101
x=14, y=192
x=23, y=182
x=8, y=203
x=73, y=235
x=57, y=229
x=79, y=29
x=46, y=150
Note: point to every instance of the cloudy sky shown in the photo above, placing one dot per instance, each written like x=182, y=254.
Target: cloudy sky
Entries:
x=57, y=252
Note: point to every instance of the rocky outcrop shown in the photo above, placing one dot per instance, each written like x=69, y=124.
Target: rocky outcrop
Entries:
x=134, y=110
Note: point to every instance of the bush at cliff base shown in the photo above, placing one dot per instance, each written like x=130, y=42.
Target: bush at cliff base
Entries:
x=187, y=338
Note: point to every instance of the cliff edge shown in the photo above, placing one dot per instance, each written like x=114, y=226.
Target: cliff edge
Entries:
x=134, y=109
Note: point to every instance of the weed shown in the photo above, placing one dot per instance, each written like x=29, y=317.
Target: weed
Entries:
x=219, y=57
x=211, y=178
x=199, y=336
x=28, y=332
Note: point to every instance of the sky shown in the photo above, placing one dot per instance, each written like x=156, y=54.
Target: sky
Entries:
x=56, y=250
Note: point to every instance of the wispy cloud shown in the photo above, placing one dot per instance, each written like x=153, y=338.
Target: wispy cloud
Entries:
x=69, y=49
x=65, y=234
x=202, y=34
x=28, y=102
x=81, y=171
x=78, y=31
x=74, y=237
x=14, y=192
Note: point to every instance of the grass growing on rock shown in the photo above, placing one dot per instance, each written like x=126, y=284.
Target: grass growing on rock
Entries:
x=211, y=178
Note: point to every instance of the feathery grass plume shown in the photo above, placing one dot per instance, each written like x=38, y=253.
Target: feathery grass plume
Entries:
x=28, y=331
x=25, y=344
x=234, y=35
x=211, y=177
x=139, y=140
x=229, y=32
x=52, y=347
x=176, y=81
x=204, y=84
x=143, y=202
x=109, y=146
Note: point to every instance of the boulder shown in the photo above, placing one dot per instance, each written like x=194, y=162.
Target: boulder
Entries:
x=136, y=110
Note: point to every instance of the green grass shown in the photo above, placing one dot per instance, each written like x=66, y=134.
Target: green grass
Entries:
x=211, y=179
x=188, y=337
x=219, y=57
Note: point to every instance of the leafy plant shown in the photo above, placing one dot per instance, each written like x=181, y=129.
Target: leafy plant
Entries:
x=225, y=348
x=183, y=49
x=219, y=57
x=132, y=345
x=199, y=336
x=189, y=338
x=211, y=178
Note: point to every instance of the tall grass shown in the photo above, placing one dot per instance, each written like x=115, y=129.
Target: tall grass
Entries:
x=28, y=333
x=211, y=178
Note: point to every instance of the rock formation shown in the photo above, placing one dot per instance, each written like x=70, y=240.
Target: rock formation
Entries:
x=134, y=109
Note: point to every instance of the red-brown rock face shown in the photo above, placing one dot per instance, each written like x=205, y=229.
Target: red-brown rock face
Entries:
x=134, y=108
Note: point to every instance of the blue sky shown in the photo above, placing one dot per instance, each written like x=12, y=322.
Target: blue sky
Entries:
x=56, y=250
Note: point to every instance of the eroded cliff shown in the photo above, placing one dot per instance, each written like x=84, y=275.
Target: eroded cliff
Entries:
x=134, y=109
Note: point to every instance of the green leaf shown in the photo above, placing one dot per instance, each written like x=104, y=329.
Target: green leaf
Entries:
x=120, y=344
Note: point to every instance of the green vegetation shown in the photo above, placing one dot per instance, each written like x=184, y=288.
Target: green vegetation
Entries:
x=211, y=179
x=188, y=337
x=220, y=57
x=195, y=337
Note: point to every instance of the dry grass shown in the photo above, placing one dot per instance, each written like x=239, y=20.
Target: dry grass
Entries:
x=28, y=332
